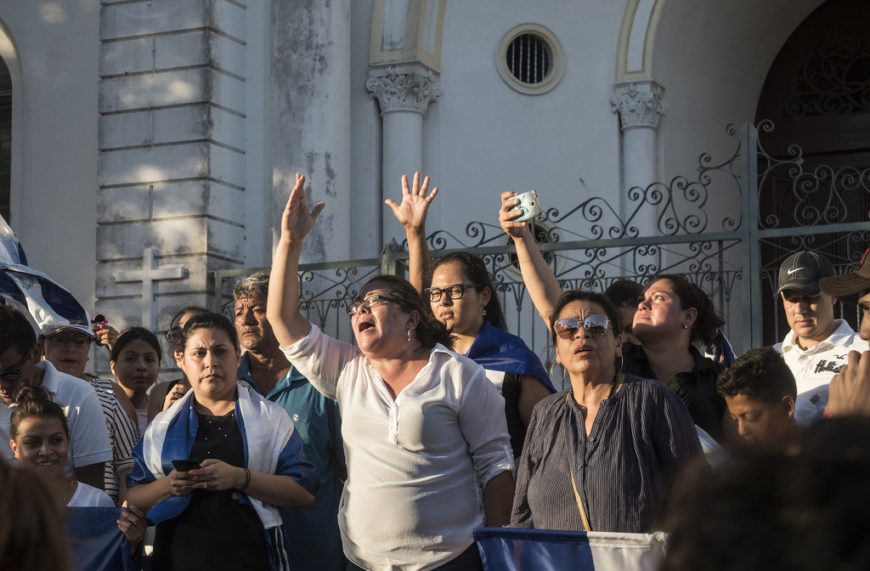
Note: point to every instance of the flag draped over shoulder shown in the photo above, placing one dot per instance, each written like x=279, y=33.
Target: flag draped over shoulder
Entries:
x=96, y=541
x=509, y=549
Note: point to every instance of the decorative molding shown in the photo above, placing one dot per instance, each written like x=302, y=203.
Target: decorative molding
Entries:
x=403, y=90
x=638, y=103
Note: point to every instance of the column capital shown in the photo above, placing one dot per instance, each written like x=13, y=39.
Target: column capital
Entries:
x=638, y=103
x=403, y=89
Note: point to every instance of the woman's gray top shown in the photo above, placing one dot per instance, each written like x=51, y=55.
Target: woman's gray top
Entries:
x=640, y=437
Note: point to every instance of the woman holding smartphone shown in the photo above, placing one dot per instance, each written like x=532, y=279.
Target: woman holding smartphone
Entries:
x=213, y=467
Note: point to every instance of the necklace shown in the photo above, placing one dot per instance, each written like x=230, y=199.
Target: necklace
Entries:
x=70, y=491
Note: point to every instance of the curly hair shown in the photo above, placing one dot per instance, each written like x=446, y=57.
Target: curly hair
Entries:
x=760, y=374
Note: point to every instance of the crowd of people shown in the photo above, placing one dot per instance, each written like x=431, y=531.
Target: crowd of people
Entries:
x=278, y=447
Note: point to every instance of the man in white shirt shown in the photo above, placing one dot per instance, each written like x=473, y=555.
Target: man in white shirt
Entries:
x=818, y=345
x=21, y=364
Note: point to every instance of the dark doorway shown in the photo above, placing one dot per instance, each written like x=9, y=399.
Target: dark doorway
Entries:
x=817, y=93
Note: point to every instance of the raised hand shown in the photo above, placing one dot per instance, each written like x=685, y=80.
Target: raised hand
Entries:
x=297, y=220
x=849, y=393
x=506, y=216
x=411, y=213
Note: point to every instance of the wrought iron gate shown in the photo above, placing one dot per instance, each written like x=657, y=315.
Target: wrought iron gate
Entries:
x=708, y=227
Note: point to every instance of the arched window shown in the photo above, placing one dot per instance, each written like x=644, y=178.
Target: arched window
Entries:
x=5, y=137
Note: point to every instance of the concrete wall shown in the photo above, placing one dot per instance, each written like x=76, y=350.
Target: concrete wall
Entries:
x=54, y=156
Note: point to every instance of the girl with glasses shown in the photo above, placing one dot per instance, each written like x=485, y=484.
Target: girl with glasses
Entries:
x=428, y=455
x=462, y=297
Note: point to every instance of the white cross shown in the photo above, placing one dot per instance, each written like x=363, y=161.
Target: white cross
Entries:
x=149, y=274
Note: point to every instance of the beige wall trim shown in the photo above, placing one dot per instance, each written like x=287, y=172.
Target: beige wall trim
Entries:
x=419, y=40
x=637, y=40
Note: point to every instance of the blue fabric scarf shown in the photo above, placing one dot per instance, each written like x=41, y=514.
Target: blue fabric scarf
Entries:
x=499, y=350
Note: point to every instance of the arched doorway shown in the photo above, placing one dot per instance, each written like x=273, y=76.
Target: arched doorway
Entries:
x=817, y=93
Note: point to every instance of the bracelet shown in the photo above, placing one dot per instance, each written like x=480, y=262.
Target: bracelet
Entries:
x=247, y=480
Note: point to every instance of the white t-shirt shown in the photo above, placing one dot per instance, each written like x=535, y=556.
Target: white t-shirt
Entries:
x=87, y=496
x=416, y=464
x=89, y=439
x=813, y=368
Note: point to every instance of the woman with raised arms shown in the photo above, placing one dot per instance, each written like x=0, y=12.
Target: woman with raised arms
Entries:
x=425, y=438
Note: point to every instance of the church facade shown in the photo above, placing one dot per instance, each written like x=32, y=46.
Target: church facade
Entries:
x=148, y=144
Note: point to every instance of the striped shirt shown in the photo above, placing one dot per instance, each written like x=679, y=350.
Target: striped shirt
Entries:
x=123, y=434
x=640, y=437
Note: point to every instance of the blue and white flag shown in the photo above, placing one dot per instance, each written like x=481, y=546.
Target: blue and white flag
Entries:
x=11, y=251
x=510, y=549
x=96, y=541
x=50, y=305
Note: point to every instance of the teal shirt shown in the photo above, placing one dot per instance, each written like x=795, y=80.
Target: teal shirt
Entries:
x=312, y=535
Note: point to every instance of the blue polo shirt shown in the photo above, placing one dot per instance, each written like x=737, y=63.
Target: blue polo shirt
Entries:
x=312, y=535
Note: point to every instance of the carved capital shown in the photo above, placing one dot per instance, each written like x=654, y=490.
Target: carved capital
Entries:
x=404, y=90
x=639, y=104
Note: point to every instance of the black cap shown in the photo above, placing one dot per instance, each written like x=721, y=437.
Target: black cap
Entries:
x=802, y=272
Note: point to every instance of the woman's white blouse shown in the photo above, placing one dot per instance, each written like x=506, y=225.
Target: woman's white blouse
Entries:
x=416, y=464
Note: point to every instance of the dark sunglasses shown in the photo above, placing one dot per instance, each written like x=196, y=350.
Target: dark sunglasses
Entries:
x=13, y=373
x=368, y=302
x=455, y=291
x=567, y=327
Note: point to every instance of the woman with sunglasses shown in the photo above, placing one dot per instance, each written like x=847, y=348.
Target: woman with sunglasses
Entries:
x=601, y=455
x=428, y=455
x=461, y=296
x=672, y=315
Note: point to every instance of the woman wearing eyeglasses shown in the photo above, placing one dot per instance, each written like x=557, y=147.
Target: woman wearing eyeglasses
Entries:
x=428, y=454
x=461, y=296
x=601, y=455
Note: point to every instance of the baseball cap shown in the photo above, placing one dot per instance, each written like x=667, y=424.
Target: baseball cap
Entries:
x=846, y=285
x=56, y=324
x=802, y=271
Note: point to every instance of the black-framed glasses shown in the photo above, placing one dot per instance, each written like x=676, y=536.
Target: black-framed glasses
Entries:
x=13, y=373
x=567, y=327
x=455, y=291
x=369, y=301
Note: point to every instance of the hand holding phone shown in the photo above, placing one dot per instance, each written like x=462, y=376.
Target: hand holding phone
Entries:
x=185, y=464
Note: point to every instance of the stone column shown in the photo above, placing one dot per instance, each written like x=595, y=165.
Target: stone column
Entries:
x=172, y=143
x=640, y=108
x=404, y=94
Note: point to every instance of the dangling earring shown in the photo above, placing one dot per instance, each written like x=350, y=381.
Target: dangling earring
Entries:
x=685, y=326
x=483, y=312
x=409, y=334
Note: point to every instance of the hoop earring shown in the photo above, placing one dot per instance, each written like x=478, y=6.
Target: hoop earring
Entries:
x=564, y=375
x=620, y=362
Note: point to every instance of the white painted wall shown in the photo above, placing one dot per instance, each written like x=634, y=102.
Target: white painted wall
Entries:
x=54, y=178
x=482, y=137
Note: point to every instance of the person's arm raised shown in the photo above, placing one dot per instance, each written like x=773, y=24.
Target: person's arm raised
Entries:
x=544, y=288
x=411, y=214
x=282, y=304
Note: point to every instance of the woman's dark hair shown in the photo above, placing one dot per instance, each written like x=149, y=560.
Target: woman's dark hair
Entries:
x=429, y=331
x=475, y=269
x=624, y=293
x=192, y=309
x=34, y=402
x=32, y=534
x=704, y=328
x=132, y=334
x=592, y=297
x=209, y=320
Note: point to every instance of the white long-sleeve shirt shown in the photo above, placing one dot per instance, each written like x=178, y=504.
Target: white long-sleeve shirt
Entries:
x=416, y=464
